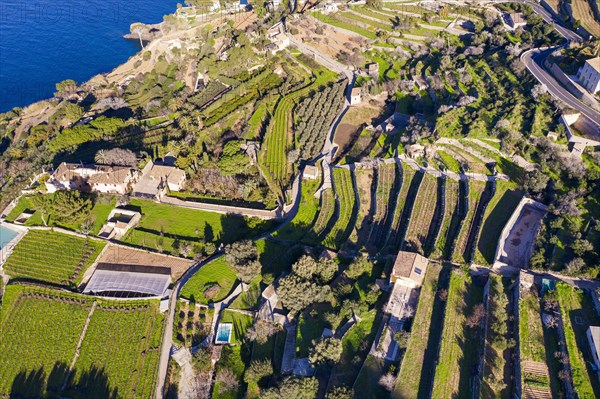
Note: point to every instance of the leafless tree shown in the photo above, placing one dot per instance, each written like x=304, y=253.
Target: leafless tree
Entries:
x=388, y=381
x=476, y=317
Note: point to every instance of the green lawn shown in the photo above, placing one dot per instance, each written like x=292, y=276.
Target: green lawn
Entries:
x=249, y=299
x=99, y=213
x=367, y=384
x=162, y=224
x=216, y=272
x=241, y=322
x=578, y=314
x=52, y=257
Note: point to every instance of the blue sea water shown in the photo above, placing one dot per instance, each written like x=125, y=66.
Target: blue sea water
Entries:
x=43, y=42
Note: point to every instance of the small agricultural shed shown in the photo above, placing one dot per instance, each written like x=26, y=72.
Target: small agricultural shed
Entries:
x=409, y=269
x=593, y=334
x=128, y=281
x=310, y=172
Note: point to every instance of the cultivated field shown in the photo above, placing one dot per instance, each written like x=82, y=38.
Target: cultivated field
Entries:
x=421, y=219
x=535, y=380
x=347, y=209
x=41, y=331
x=364, y=182
x=52, y=257
x=445, y=235
x=408, y=175
x=305, y=217
x=459, y=350
x=475, y=190
x=384, y=204
x=578, y=314
x=413, y=370
x=324, y=220
x=582, y=11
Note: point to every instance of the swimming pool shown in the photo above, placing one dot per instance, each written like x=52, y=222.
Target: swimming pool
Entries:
x=223, y=333
x=6, y=235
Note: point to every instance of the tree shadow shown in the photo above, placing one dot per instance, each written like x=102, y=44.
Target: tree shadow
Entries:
x=93, y=384
x=29, y=384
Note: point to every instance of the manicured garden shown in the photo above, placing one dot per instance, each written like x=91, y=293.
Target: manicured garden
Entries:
x=51, y=257
x=164, y=226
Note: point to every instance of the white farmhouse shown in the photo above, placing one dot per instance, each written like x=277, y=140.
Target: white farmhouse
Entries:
x=589, y=75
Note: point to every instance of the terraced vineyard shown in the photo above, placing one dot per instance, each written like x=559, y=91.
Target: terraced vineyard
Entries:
x=307, y=212
x=459, y=350
x=347, y=209
x=52, y=257
x=41, y=329
x=414, y=370
x=445, y=235
x=122, y=343
x=384, y=204
x=278, y=139
x=323, y=223
x=406, y=201
x=408, y=174
x=578, y=314
x=475, y=190
x=421, y=219
x=364, y=182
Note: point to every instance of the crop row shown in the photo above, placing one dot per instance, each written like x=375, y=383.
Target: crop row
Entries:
x=451, y=191
x=475, y=188
x=305, y=217
x=347, y=208
x=399, y=233
x=408, y=174
x=486, y=196
x=326, y=213
x=422, y=215
x=41, y=329
x=315, y=114
x=52, y=257
x=384, y=204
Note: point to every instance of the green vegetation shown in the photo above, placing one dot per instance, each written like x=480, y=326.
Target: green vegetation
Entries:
x=497, y=213
x=91, y=221
x=413, y=368
x=324, y=220
x=51, y=257
x=122, y=341
x=450, y=212
x=347, y=209
x=578, y=314
x=241, y=322
x=164, y=227
x=212, y=283
x=305, y=217
x=459, y=350
x=476, y=189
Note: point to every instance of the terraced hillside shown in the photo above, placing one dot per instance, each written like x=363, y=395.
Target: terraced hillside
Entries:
x=384, y=204
x=324, y=221
x=422, y=218
x=347, y=208
x=476, y=189
x=52, y=257
x=40, y=354
x=364, y=184
x=404, y=207
x=449, y=218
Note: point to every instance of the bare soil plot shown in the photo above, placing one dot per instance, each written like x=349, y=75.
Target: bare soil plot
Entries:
x=121, y=255
x=515, y=249
x=582, y=11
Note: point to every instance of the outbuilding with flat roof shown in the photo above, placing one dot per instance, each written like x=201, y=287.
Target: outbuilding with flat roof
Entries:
x=409, y=269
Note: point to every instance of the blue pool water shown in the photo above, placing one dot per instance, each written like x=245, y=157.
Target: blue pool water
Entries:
x=43, y=42
x=6, y=235
x=223, y=333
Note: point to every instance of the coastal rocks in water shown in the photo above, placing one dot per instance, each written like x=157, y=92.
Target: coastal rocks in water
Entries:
x=144, y=32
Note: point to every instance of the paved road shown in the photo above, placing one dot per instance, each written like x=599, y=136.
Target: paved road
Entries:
x=533, y=60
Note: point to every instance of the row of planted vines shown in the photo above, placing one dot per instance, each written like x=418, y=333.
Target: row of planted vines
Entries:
x=364, y=183
x=414, y=377
x=323, y=223
x=421, y=219
x=451, y=192
x=306, y=215
x=384, y=204
x=404, y=207
x=41, y=329
x=64, y=257
x=475, y=189
x=347, y=208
